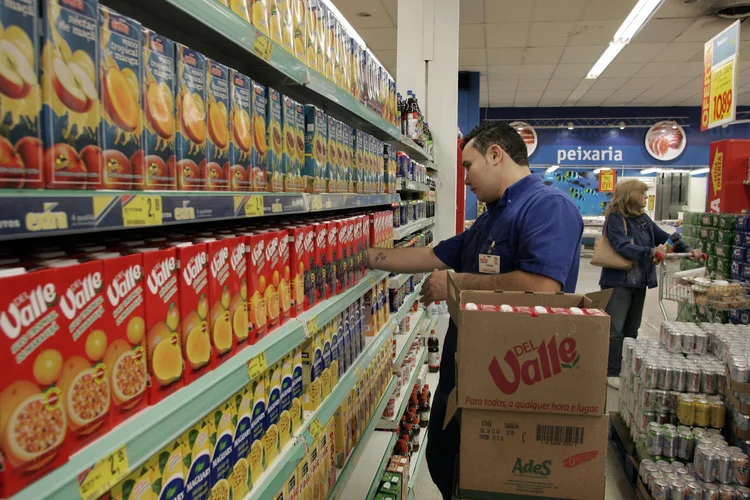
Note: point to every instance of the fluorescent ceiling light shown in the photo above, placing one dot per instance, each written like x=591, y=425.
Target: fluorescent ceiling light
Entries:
x=552, y=169
x=654, y=170
x=609, y=55
x=639, y=16
x=700, y=171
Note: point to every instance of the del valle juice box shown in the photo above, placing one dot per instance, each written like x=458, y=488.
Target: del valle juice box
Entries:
x=190, y=141
x=168, y=472
x=193, y=293
x=223, y=297
x=273, y=278
x=237, y=284
x=331, y=175
x=315, y=150
x=70, y=93
x=311, y=297
x=299, y=139
x=222, y=459
x=124, y=319
x=284, y=274
x=120, y=129
x=331, y=267
x=257, y=278
x=163, y=345
x=259, y=155
x=275, y=165
x=198, y=448
x=296, y=243
x=319, y=262
x=20, y=139
x=293, y=178
x=241, y=136
x=158, y=153
x=217, y=143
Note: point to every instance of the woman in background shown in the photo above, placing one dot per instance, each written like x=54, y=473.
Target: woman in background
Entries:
x=637, y=238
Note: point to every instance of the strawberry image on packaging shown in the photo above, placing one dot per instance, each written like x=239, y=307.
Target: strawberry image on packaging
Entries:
x=223, y=297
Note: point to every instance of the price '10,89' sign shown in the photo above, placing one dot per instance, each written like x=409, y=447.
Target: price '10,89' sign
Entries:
x=722, y=105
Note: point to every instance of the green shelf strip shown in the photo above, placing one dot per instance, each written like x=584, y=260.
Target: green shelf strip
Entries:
x=418, y=464
x=383, y=464
x=412, y=227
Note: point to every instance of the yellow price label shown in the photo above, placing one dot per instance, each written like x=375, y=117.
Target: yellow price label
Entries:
x=721, y=102
x=141, y=210
x=262, y=47
x=257, y=365
x=254, y=206
x=315, y=428
x=312, y=326
x=316, y=203
x=106, y=473
x=277, y=208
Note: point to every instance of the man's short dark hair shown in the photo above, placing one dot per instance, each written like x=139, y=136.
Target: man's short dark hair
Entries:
x=502, y=134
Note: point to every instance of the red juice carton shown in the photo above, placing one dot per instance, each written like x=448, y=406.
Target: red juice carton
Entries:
x=20, y=139
x=190, y=141
x=297, y=256
x=241, y=136
x=285, y=275
x=193, y=295
x=257, y=276
x=70, y=94
x=299, y=139
x=237, y=285
x=163, y=344
x=157, y=157
x=120, y=128
x=273, y=280
x=341, y=256
x=316, y=139
x=330, y=258
x=124, y=320
x=309, y=273
x=223, y=297
x=259, y=154
x=318, y=264
x=217, y=118
x=357, y=247
x=275, y=167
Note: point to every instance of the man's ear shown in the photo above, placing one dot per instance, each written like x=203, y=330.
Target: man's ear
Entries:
x=495, y=154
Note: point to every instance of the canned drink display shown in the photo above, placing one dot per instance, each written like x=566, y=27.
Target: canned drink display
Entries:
x=726, y=492
x=692, y=379
x=693, y=490
x=670, y=443
x=656, y=476
x=677, y=490
x=664, y=377
x=655, y=439
x=724, y=465
x=649, y=471
x=740, y=468
x=718, y=414
x=661, y=400
x=642, y=467
x=739, y=370
x=686, y=409
x=660, y=490
x=679, y=378
x=700, y=345
x=702, y=412
x=710, y=492
x=673, y=398
x=709, y=463
x=742, y=493
x=708, y=381
x=686, y=445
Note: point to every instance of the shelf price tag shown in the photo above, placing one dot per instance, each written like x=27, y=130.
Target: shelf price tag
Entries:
x=257, y=365
x=106, y=473
x=277, y=208
x=315, y=428
x=141, y=210
x=262, y=47
x=316, y=203
x=254, y=206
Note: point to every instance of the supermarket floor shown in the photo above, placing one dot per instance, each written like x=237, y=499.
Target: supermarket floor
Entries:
x=617, y=487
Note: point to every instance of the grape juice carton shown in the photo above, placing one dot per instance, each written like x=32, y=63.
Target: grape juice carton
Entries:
x=198, y=448
x=158, y=154
x=20, y=139
x=241, y=133
x=331, y=177
x=273, y=412
x=257, y=278
x=297, y=256
x=168, y=472
x=224, y=296
x=193, y=297
x=284, y=274
x=222, y=459
x=273, y=279
x=275, y=166
x=259, y=155
x=316, y=139
x=257, y=388
x=299, y=139
x=163, y=344
x=190, y=140
x=292, y=178
x=124, y=320
x=243, y=409
x=70, y=94
x=217, y=118
x=121, y=125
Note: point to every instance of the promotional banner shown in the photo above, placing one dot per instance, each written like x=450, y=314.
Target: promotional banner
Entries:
x=720, y=62
x=607, y=181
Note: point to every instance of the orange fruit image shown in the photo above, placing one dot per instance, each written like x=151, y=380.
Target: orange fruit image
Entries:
x=259, y=134
x=47, y=366
x=135, y=330
x=241, y=129
x=218, y=123
x=119, y=102
x=86, y=393
x=159, y=109
x=193, y=116
x=96, y=344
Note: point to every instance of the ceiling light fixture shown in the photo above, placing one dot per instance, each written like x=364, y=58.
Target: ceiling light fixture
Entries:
x=607, y=57
x=622, y=125
x=654, y=170
x=552, y=169
x=570, y=126
x=700, y=171
x=364, y=14
x=597, y=170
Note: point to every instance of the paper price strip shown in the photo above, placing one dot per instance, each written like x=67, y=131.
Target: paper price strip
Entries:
x=262, y=47
x=721, y=92
x=141, y=210
x=315, y=428
x=312, y=327
x=316, y=203
x=254, y=206
x=257, y=365
x=106, y=473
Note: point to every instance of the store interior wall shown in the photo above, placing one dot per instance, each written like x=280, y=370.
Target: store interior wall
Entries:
x=468, y=118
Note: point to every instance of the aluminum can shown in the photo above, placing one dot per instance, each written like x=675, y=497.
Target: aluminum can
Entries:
x=661, y=400
x=718, y=414
x=710, y=492
x=741, y=468
x=642, y=468
x=742, y=493
x=686, y=410
x=654, y=439
x=663, y=417
x=660, y=490
x=739, y=370
x=648, y=375
x=673, y=398
x=702, y=414
x=693, y=490
x=687, y=342
x=686, y=446
x=700, y=343
x=649, y=471
x=693, y=380
x=710, y=463
x=708, y=381
x=657, y=476
x=721, y=381
x=648, y=399
x=726, y=492
x=670, y=443
x=664, y=377
x=677, y=490
x=724, y=466
x=679, y=378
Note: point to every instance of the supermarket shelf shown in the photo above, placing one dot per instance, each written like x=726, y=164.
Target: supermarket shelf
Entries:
x=431, y=166
x=403, y=400
x=32, y=213
x=432, y=380
x=397, y=281
x=408, y=301
x=411, y=228
x=156, y=426
x=403, y=341
x=411, y=148
x=365, y=479
x=412, y=186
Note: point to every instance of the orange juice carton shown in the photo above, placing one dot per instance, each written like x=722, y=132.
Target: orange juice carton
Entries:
x=273, y=279
x=168, y=471
x=157, y=157
x=121, y=125
x=259, y=15
x=223, y=457
x=330, y=169
x=136, y=486
x=312, y=369
x=257, y=388
x=318, y=264
x=224, y=296
x=216, y=172
x=243, y=408
x=193, y=299
x=287, y=24
x=316, y=140
x=273, y=412
x=299, y=35
x=257, y=278
x=299, y=139
x=70, y=94
x=286, y=365
x=309, y=34
x=198, y=449
x=124, y=319
x=274, y=9
x=275, y=166
x=237, y=284
x=259, y=154
x=163, y=345
x=20, y=140
x=297, y=390
x=29, y=387
x=241, y=136
x=284, y=273
x=190, y=114
x=296, y=243
x=289, y=148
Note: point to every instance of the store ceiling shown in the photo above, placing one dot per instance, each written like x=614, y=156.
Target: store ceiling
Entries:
x=537, y=52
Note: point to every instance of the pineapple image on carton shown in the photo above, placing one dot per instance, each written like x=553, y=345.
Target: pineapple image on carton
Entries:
x=168, y=471
x=240, y=476
x=217, y=118
x=223, y=457
x=259, y=154
x=287, y=393
x=190, y=141
x=259, y=15
x=299, y=17
x=198, y=446
x=241, y=136
x=20, y=97
x=275, y=14
x=275, y=164
x=257, y=388
x=70, y=91
x=308, y=35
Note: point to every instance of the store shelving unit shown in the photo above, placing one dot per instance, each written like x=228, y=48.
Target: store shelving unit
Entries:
x=411, y=228
x=416, y=461
x=411, y=148
x=419, y=323
x=392, y=422
x=408, y=186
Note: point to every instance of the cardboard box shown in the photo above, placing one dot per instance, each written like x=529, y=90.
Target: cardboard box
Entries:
x=524, y=454
x=547, y=363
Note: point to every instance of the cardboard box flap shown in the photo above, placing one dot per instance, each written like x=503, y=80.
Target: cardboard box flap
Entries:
x=600, y=299
x=454, y=300
x=452, y=407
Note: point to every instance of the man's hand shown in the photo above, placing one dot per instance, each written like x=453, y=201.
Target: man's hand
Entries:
x=435, y=288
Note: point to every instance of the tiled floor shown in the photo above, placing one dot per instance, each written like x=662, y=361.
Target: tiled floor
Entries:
x=617, y=487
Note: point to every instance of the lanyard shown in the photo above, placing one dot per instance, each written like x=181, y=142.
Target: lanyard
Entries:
x=489, y=250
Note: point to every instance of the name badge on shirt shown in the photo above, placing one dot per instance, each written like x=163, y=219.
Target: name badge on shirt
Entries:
x=489, y=264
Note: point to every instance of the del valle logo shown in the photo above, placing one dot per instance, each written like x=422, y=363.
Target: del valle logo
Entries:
x=547, y=360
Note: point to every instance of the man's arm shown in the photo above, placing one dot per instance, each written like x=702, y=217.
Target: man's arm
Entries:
x=404, y=260
x=435, y=287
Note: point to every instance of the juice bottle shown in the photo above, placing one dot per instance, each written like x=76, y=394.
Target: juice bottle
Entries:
x=309, y=34
x=240, y=477
x=273, y=279
x=157, y=158
x=217, y=117
x=275, y=165
x=259, y=15
x=257, y=278
x=287, y=394
x=258, y=127
x=316, y=140
x=284, y=273
x=224, y=296
x=273, y=411
x=198, y=450
x=163, y=346
x=237, y=284
x=124, y=313
x=289, y=146
x=190, y=141
x=222, y=459
x=70, y=93
x=20, y=140
x=241, y=143
x=193, y=297
x=120, y=128
x=257, y=388
x=299, y=42
x=299, y=138
x=168, y=471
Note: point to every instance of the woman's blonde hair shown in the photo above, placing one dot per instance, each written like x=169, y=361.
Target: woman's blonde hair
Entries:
x=627, y=198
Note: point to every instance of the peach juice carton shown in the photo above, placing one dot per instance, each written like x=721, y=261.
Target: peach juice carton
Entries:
x=217, y=118
x=190, y=114
x=224, y=296
x=241, y=134
x=257, y=279
x=275, y=165
x=259, y=155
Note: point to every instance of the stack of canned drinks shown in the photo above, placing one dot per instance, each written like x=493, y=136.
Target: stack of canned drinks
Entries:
x=410, y=211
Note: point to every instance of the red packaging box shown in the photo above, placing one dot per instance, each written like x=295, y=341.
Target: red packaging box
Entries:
x=332, y=237
x=237, y=284
x=257, y=274
x=296, y=242
x=284, y=274
x=309, y=278
x=222, y=296
x=271, y=295
x=321, y=242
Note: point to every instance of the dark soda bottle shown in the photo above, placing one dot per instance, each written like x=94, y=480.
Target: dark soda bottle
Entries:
x=433, y=353
x=424, y=412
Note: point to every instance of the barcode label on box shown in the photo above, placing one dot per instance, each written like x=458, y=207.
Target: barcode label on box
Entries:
x=559, y=435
